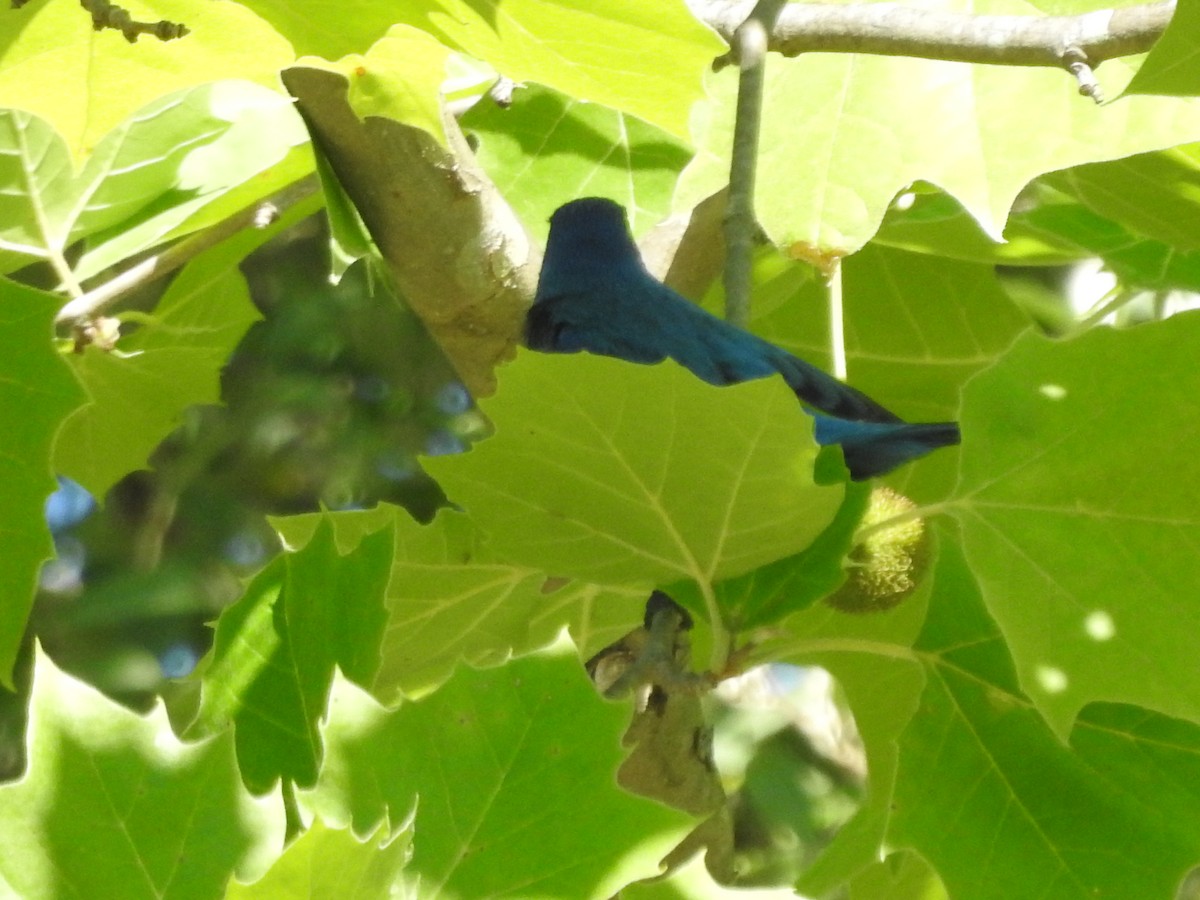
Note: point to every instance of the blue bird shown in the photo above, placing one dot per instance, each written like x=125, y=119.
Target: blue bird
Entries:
x=595, y=294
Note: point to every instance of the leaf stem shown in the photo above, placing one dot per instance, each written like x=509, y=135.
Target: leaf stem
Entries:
x=917, y=512
x=837, y=320
x=722, y=640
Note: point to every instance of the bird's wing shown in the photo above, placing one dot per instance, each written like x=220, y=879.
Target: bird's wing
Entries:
x=596, y=321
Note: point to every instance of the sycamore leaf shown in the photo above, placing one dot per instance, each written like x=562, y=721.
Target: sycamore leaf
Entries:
x=84, y=82
x=333, y=862
x=148, y=176
x=1171, y=66
x=1154, y=194
x=400, y=77
x=617, y=473
x=1079, y=499
x=844, y=133
x=583, y=149
x=449, y=602
x=276, y=649
x=37, y=391
x=512, y=774
x=112, y=801
x=1001, y=807
x=168, y=364
x=596, y=53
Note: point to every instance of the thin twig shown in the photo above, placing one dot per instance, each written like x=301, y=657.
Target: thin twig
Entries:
x=740, y=223
x=109, y=15
x=262, y=213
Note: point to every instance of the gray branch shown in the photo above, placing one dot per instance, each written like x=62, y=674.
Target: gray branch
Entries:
x=888, y=29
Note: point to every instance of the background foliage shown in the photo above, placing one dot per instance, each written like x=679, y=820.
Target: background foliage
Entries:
x=378, y=690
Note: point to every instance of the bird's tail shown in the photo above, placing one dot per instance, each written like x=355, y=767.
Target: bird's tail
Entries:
x=821, y=390
x=875, y=448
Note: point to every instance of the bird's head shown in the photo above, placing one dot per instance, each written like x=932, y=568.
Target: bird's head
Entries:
x=589, y=241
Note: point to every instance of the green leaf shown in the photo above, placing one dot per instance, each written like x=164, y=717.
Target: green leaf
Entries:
x=872, y=659
x=34, y=168
x=400, y=78
x=546, y=148
x=785, y=586
x=901, y=876
x=276, y=648
x=600, y=54
x=512, y=772
x=1153, y=194
x=333, y=862
x=112, y=803
x=1138, y=263
x=926, y=220
x=258, y=145
x=916, y=328
x=617, y=473
x=1080, y=511
x=145, y=178
x=83, y=82
x=1001, y=807
x=1171, y=66
x=843, y=134
x=37, y=391
x=450, y=602
x=173, y=362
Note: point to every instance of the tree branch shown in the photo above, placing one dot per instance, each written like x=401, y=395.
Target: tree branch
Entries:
x=460, y=256
x=888, y=29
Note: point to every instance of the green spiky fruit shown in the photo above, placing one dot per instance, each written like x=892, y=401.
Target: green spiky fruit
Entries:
x=886, y=565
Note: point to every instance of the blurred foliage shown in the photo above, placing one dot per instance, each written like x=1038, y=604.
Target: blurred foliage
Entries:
x=328, y=400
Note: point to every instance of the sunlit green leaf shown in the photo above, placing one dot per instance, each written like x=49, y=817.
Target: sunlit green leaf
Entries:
x=1171, y=66
x=84, y=82
x=37, y=392
x=400, y=77
x=843, y=134
x=450, y=602
x=113, y=803
x=978, y=759
x=333, y=862
x=623, y=474
x=277, y=647
x=590, y=52
x=512, y=773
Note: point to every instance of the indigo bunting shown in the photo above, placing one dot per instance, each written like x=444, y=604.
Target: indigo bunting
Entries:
x=595, y=294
